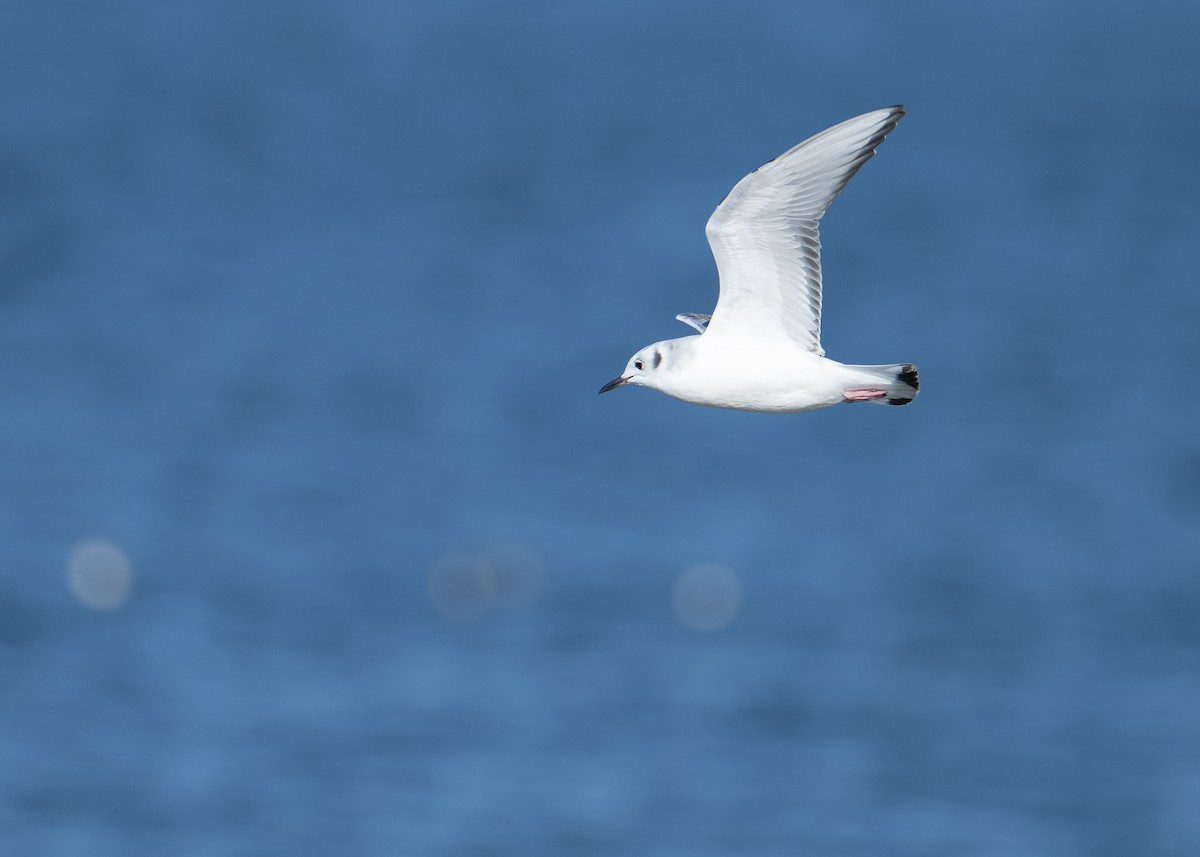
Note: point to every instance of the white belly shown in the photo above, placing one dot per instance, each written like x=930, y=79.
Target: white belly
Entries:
x=755, y=379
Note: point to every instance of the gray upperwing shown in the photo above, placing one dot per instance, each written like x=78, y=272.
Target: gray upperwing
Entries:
x=694, y=319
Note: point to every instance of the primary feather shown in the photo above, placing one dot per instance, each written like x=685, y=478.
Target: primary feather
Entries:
x=764, y=234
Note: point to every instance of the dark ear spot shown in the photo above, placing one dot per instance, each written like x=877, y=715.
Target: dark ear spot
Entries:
x=657, y=358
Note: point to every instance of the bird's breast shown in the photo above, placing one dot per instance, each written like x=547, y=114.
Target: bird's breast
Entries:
x=753, y=378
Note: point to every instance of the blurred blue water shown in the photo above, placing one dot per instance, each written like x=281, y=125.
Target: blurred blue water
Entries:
x=300, y=301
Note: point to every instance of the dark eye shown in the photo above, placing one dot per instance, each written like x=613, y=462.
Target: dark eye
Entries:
x=637, y=364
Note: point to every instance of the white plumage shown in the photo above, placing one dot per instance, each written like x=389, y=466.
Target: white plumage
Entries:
x=761, y=350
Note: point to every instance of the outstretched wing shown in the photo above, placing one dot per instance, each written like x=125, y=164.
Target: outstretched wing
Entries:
x=764, y=233
x=697, y=320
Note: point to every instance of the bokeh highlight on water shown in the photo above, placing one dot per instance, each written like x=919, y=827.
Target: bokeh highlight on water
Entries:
x=317, y=539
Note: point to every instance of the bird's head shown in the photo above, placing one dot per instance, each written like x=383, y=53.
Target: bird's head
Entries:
x=642, y=368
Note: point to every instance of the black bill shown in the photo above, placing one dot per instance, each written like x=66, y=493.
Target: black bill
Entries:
x=613, y=384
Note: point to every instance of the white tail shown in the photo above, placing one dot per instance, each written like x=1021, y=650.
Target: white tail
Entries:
x=898, y=381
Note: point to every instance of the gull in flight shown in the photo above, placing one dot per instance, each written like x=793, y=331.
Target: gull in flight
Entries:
x=760, y=350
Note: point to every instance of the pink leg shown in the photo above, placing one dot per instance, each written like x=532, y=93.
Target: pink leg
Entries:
x=863, y=395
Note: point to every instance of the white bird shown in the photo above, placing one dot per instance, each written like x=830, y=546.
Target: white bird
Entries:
x=760, y=350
